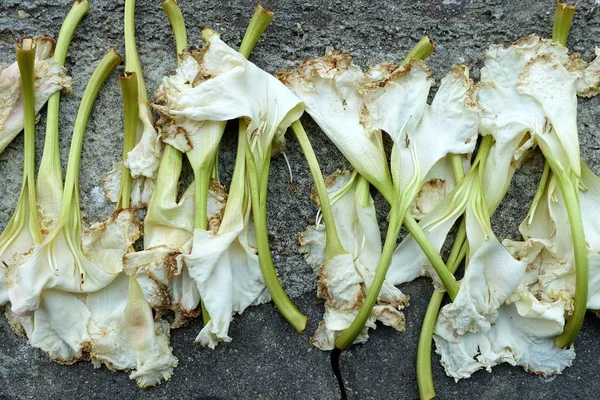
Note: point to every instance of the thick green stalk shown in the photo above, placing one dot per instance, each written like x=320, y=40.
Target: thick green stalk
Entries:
x=424, y=375
x=177, y=24
x=421, y=50
x=50, y=167
x=457, y=254
x=457, y=168
x=334, y=245
x=259, y=213
x=101, y=73
x=132, y=59
x=202, y=184
x=26, y=63
x=129, y=90
x=431, y=252
x=569, y=188
x=562, y=22
x=351, y=333
x=258, y=24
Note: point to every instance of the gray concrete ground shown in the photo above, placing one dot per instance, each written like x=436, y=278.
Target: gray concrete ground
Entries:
x=267, y=359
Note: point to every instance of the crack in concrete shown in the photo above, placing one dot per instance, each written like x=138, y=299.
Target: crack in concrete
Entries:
x=334, y=358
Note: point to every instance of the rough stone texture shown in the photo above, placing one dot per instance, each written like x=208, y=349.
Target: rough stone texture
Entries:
x=267, y=359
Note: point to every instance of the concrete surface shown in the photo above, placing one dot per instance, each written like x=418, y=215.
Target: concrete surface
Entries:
x=267, y=359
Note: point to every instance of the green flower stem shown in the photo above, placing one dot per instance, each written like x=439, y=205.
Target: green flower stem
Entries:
x=433, y=256
x=421, y=51
x=569, y=188
x=333, y=244
x=362, y=193
x=71, y=190
x=539, y=193
x=166, y=178
x=562, y=22
x=460, y=240
x=171, y=159
x=132, y=59
x=348, y=337
x=177, y=24
x=457, y=254
x=258, y=24
x=424, y=375
x=172, y=155
x=457, y=168
x=50, y=167
x=129, y=90
x=202, y=184
x=26, y=64
x=259, y=213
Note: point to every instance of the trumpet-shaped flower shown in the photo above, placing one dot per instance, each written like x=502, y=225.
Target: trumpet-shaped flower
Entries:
x=50, y=77
x=168, y=232
x=345, y=279
x=516, y=106
x=523, y=88
x=71, y=260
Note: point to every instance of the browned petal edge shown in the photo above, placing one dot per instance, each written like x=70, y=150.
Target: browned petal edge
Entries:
x=198, y=55
x=86, y=350
x=183, y=317
x=167, y=128
x=332, y=60
x=17, y=259
x=287, y=77
x=532, y=371
x=134, y=220
x=14, y=323
x=45, y=46
x=397, y=317
x=527, y=40
x=470, y=95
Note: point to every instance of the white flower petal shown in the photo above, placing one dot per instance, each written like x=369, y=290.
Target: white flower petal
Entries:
x=125, y=335
x=59, y=327
x=517, y=340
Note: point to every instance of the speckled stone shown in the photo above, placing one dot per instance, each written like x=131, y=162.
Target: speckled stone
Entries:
x=267, y=359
